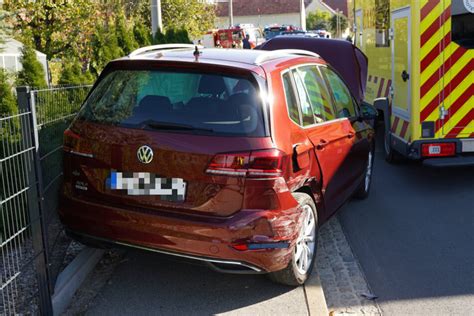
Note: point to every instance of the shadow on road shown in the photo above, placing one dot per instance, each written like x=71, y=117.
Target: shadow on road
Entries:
x=149, y=283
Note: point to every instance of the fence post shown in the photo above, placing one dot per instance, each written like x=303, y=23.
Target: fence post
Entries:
x=26, y=103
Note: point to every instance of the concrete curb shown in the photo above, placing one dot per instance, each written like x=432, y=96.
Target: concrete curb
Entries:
x=315, y=296
x=72, y=277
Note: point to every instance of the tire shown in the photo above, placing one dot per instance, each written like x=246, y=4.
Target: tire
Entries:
x=363, y=190
x=391, y=155
x=296, y=273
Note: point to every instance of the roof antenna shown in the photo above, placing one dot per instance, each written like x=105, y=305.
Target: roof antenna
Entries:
x=196, y=53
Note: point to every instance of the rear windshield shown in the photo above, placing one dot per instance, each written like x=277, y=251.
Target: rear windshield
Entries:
x=176, y=101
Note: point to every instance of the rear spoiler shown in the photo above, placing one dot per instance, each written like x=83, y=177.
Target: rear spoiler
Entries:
x=347, y=59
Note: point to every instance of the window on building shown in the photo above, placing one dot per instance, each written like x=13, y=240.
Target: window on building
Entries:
x=382, y=23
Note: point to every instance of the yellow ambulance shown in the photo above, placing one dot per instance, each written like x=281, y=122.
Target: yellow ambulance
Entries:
x=421, y=75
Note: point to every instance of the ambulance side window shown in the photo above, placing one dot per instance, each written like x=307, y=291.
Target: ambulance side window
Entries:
x=462, y=26
x=382, y=23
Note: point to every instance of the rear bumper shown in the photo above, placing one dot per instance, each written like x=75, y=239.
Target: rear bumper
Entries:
x=464, y=156
x=205, y=239
x=443, y=162
x=220, y=265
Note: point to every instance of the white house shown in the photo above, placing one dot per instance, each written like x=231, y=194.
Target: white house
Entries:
x=10, y=56
x=266, y=12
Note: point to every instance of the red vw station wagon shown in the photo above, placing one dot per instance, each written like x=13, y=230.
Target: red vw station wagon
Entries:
x=230, y=157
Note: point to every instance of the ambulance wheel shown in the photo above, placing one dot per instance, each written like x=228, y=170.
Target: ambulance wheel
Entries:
x=390, y=154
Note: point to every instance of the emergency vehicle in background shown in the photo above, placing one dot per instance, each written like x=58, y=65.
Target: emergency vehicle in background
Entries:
x=274, y=30
x=232, y=37
x=421, y=76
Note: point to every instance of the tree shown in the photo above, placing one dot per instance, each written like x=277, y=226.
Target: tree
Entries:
x=105, y=48
x=5, y=27
x=182, y=36
x=56, y=28
x=159, y=38
x=125, y=37
x=72, y=74
x=196, y=16
x=7, y=100
x=342, y=23
x=32, y=73
x=142, y=34
x=318, y=20
x=170, y=36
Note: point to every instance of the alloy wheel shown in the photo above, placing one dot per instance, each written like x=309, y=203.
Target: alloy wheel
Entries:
x=305, y=244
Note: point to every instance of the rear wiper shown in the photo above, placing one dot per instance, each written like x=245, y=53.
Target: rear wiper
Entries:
x=173, y=126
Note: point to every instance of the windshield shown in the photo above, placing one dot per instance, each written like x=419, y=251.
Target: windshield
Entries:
x=271, y=33
x=176, y=101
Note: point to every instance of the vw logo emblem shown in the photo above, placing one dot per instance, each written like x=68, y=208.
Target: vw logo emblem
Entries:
x=145, y=154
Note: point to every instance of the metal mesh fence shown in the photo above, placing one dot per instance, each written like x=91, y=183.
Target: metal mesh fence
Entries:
x=55, y=108
x=18, y=289
x=32, y=242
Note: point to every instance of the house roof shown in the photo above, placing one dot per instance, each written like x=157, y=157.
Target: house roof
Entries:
x=13, y=47
x=259, y=7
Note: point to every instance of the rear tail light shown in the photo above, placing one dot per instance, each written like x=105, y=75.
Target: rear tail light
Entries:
x=266, y=163
x=438, y=149
x=75, y=145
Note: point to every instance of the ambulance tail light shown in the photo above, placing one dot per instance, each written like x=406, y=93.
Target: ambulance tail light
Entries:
x=438, y=149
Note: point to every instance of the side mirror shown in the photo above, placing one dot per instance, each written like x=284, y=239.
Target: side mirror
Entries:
x=367, y=112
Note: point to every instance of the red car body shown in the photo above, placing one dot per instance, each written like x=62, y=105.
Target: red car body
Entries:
x=239, y=213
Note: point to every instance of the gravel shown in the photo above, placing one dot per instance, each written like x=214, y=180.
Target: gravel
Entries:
x=21, y=296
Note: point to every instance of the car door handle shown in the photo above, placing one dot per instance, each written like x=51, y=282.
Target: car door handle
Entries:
x=322, y=144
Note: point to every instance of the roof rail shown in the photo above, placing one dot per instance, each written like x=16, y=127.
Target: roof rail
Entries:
x=161, y=47
x=279, y=53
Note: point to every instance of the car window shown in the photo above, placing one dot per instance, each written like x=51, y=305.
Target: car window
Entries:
x=305, y=104
x=237, y=35
x=193, y=101
x=319, y=96
x=344, y=102
x=291, y=102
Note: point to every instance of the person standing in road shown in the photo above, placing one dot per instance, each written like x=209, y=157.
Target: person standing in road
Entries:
x=246, y=42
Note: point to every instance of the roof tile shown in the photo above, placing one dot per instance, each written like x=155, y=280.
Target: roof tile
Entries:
x=259, y=7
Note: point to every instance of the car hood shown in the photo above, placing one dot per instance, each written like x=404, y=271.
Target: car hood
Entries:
x=347, y=59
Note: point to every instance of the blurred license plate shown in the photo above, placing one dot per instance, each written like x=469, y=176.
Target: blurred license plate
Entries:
x=467, y=145
x=434, y=150
x=144, y=183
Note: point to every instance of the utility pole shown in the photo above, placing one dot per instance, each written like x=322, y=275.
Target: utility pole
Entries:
x=231, y=14
x=302, y=15
x=156, y=22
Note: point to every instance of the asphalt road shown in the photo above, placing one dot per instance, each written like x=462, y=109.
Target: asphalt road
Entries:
x=414, y=237
x=151, y=284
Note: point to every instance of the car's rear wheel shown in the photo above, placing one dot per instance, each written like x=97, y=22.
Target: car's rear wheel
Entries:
x=363, y=190
x=304, y=253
